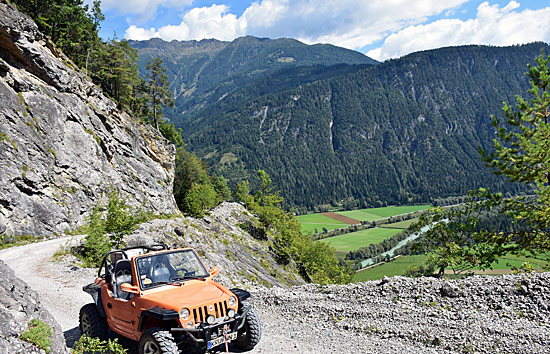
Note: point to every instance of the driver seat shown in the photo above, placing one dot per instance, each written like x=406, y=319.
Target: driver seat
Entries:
x=123, y=274
x=160, y=270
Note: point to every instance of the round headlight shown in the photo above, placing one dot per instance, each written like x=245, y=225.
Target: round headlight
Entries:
x=231, y=313
x=232, y=301
x=184, y=313
x=210, y=319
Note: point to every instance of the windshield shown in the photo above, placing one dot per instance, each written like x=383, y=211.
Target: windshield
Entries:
x=169, y=267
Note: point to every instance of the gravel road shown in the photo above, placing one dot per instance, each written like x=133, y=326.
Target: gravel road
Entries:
x=507, y=314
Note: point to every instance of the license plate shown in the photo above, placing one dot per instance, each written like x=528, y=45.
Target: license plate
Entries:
x=221, y=339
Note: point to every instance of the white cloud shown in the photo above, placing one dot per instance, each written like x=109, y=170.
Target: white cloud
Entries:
x=493, y=25
x=347, y=23
x=198, y=23
x=141, y=34
x=354, y=24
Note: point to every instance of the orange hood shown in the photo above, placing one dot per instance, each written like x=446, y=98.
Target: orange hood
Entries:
x=191, y=294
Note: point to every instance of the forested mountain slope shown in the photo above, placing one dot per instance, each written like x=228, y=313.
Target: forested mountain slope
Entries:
x=403, y=131
x=203, y=72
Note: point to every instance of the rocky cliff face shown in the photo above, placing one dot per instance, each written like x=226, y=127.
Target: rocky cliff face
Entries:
x=18, y=306
x=63, y=143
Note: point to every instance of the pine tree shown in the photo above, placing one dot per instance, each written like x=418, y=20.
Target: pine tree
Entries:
x=158, y=90
x=522, y=153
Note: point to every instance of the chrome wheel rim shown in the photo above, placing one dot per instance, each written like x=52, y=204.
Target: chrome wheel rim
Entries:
x=150, y=347
x=86, y=325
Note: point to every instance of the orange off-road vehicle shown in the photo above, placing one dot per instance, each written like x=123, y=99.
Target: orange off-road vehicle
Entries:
x=166, y=299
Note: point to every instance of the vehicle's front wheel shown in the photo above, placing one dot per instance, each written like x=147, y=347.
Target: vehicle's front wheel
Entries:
x=249, y=335
x=91, y=323
x=157, y=341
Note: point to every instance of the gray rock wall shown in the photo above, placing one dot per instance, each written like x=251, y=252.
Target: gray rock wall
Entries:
x=18, y=306
x=63, y=143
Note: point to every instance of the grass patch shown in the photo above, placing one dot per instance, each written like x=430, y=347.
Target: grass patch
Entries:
x=510, y=260
x=400, y=224
x=397, y=267
x=12, y=241
x=38, y=334
x=401, y=264
x=309, y=223
x=355, y=240
x=372, y=214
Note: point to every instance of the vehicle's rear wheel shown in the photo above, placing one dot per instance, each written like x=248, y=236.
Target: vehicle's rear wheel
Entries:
x=251, y=332
x=157, y=341
x=91, y=323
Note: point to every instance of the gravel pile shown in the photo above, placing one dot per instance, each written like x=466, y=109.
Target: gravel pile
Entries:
x=480, y=314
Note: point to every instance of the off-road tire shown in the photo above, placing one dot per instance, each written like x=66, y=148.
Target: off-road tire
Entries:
x=251, y=332
x=91, y=323
x=157, y=341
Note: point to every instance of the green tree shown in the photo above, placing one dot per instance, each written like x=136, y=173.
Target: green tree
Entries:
x=158, y=90
x=200, y=197
x=116, y=70
x=456, y=238
x=220, y=185
x=316, y=261
x=522, y=153
x=70, y=24
x=107, y=226
x=189, y=170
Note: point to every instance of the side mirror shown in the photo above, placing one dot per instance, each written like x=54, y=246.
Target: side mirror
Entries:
x=128, y=288
x=214, y=271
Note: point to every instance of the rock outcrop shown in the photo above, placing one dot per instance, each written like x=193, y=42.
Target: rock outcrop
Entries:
x=63, y=143
x=221, y=241
x=19, y=304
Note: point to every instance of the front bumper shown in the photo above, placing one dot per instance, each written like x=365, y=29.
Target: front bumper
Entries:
x=204, y=334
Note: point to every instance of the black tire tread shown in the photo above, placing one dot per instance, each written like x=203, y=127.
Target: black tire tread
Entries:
x=164, y=339
x=98, y=324
x=254, y=332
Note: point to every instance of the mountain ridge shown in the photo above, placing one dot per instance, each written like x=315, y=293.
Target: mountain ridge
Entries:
x=388, y=126
x=202, y=72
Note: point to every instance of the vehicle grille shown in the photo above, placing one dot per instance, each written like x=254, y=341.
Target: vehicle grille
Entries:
x=219, y=310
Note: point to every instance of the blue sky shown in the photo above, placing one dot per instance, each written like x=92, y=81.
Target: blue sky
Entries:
x=382, y=29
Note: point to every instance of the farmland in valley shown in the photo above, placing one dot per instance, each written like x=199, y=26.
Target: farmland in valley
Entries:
x=372, y=214
x=358, y=239
x=318, y=221
x=312, y=222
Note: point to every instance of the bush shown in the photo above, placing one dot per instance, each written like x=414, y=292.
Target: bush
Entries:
x=201, y=197
x=88, y=345
x=38, y=334
x=106, y=230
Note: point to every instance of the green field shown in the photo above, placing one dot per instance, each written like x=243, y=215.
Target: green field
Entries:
x=311, y=222
x=400, y=224
x=372, y=214
x=397, y=267
x=358, y=239
x=400, y=265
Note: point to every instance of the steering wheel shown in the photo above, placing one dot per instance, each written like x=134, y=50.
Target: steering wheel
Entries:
x=180, y=272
